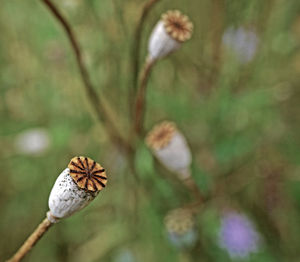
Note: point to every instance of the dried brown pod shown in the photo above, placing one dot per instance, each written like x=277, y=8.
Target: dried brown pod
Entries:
x=87, y=173
x=169, y=33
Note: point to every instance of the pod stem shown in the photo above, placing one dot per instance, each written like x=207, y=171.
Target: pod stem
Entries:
x=31, y=240
x=101, y=110
x=140, y=101
x=186, y=177
x=138, y=39
x=193, y=188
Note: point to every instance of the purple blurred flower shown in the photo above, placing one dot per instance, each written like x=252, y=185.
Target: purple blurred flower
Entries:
x=238, y=235
x=243, y=42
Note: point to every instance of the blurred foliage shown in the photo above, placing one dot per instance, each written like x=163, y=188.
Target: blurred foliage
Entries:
x=240, y=119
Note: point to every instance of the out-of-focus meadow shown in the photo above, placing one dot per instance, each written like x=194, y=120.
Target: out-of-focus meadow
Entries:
x=233, y=91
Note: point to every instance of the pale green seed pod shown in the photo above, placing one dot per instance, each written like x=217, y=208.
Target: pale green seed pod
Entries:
x=75, y=188
x=170, y=147
x=181, y=228
x=169, y=33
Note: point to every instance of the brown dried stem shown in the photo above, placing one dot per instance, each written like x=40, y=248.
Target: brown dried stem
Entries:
x=138, y=37
x=95, y=101
x=31, y=240
x=193, y=188
x=140, y=101
x=217, y=20
x=136, y=46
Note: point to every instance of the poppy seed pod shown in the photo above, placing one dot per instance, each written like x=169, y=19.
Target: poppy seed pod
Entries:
x=170, y=32
x=170, y=148
x=181, y=228
x=75, y=188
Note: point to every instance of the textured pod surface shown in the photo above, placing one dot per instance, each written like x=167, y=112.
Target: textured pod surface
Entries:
x=177, y=25
x=66, y=197
x=87, y=173
x=181, y=228
x=160, y=135
x=170, y=147
x=176, y=156
x=173, y=29
x=179, y=221
x=161, y=43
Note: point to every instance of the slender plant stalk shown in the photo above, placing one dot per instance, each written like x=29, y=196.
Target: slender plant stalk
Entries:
x=138, y=38
x=192, y=187
x=136, y=49
x=217, y=18
x=101, y=111
x=140, y=102
x=118, y=9
x=31, y=240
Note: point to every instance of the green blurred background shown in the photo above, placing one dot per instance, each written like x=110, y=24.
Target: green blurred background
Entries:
x=241, y=117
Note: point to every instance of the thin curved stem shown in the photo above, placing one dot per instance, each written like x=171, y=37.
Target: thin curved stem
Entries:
x=118, y=9
x=140, y=102
x=101, y=111
x=138, y=37
x=31, y=240
x=136, y=46
x=217, y=18
x=193, y=188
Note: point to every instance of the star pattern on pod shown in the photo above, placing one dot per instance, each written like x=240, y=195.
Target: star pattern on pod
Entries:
x=87, y=173
x=177, y=25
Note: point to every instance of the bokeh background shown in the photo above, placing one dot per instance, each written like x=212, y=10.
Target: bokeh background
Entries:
x=233, y=90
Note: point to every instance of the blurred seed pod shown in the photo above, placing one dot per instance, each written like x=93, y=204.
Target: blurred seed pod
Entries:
x=170, y=32
x=181, y=228
x=171, y=148
x=75, y=187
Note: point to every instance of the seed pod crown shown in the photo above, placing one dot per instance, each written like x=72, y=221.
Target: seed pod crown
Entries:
x=87, y=173
x=169, y=33
x=177, y=25
x=161, y=134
